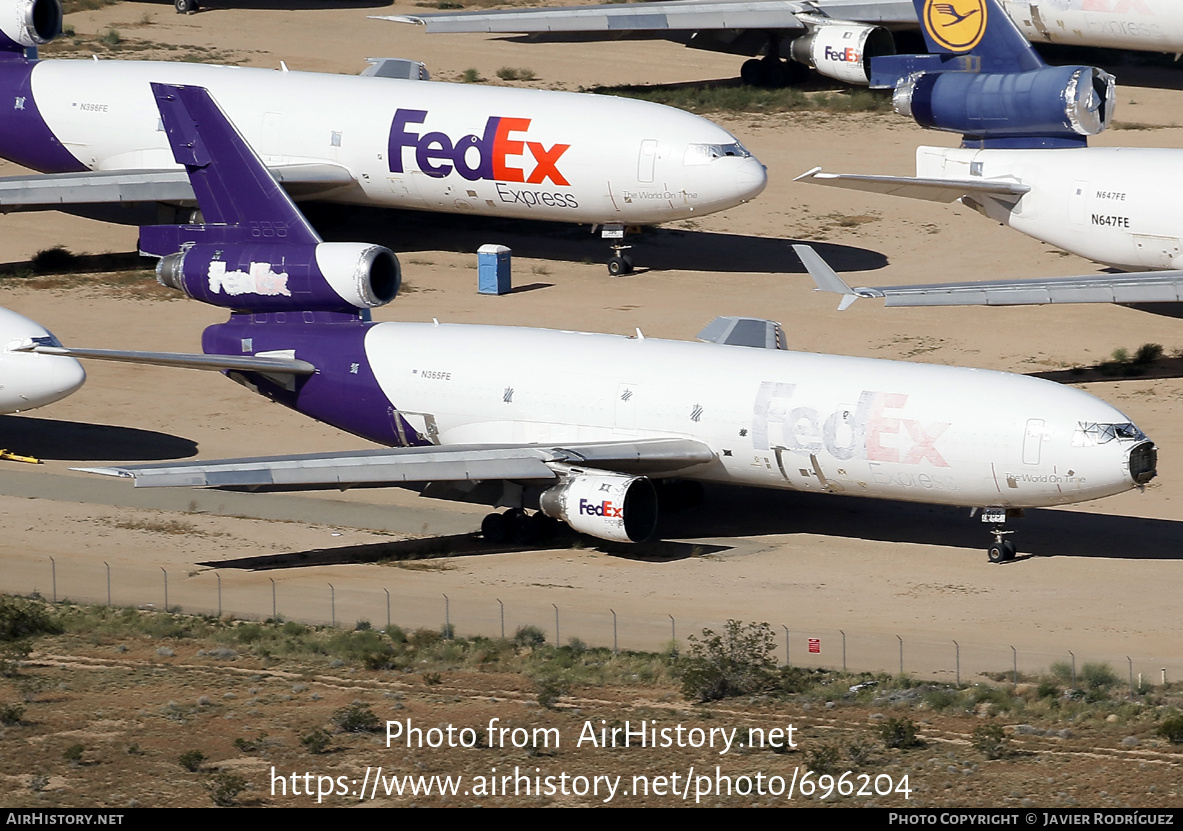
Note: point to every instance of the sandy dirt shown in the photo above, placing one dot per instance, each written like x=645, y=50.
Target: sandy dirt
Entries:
x=1101, y=579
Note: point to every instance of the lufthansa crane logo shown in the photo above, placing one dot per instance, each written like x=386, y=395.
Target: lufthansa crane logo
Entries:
x=958, y=25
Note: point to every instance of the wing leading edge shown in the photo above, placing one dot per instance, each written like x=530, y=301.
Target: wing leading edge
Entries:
x=933, y=190
x=458, y=463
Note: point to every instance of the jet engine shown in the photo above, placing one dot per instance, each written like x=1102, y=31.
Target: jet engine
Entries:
x=611, y=506
x=843, y=51
x=26, y=23
x=1064, y=100
x=328, y=276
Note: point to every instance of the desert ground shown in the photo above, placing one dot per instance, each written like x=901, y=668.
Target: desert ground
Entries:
x=1100, y=580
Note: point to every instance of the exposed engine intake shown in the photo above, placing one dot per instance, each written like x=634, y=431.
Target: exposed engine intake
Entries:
x=611, y=506
x=25, y=23
x=1065, y=100
x=843, y=51
x=329, y=276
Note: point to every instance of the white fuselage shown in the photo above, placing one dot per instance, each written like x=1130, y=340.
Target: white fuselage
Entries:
x=28, y=380
x=1117, y=206
x=1144, y=25
x=856, y=426
x=496, y=151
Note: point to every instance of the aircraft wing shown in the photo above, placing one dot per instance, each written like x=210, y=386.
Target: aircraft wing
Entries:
x=390, y=466
x=267, y=362
x=51, y=190
x=933, y=190
x=672, y=15
x=1133, y=287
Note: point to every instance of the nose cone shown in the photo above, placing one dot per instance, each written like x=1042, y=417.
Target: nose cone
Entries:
x=29, y=380
x=751, y=179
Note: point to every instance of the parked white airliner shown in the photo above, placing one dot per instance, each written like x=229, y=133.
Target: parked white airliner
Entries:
x=1114, y=205
x=357, y=139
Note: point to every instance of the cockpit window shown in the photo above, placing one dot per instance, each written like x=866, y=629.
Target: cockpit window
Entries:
x=1089, y=434
x=707, y=153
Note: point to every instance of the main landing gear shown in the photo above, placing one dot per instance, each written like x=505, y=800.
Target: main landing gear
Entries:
x=772, y=72
x=1002, y=549
x=516, y=526
x=186, y=6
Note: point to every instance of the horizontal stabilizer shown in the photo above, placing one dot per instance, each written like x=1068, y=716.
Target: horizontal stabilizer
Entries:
x=271, y=364
x=420, y=464
x=933, y=190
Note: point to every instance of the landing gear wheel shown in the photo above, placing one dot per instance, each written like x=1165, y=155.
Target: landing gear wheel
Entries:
x=620, y=264
x=186, y=6
x=1001, y=552
x=522, y=529
x=494, y=529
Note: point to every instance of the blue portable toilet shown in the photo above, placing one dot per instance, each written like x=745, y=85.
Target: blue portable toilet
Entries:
x=493, y=269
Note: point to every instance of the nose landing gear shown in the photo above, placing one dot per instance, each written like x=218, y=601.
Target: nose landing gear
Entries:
x=1002, y=549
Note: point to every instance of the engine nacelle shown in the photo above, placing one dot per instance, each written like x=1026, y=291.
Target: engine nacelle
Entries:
x=611, y=506
x=1063, y=100
x=273, y=277
x=25, y=23
x=843, y=51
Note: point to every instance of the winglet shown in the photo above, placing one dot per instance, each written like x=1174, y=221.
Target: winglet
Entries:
x=809, y=174
x=825, y=277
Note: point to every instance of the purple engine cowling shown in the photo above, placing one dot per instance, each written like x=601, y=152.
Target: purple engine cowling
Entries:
x=271, y=277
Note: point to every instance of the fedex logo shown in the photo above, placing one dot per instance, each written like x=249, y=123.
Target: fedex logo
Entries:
x=605, y=508
x=500, y=153
x=847, y=55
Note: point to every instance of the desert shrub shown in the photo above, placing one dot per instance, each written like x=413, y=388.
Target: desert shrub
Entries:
x=316, y=742
x=11, y=714
x=224, y=788
x=941, y=699
x=1098, y=675
x=191, y=760
x=550, y=689
x=989, y=740
x=737, y=661
x=823, y=758
x=529, y=635
x=1172, y=729
x=73, y=753
x=363, y=625
x=21, y=618
x=55, y=259
x=899, y=733
x=471, y=75
x=357, y=718
x=1148, y=353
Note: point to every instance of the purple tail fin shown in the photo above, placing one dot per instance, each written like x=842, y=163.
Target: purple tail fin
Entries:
x=239, y=199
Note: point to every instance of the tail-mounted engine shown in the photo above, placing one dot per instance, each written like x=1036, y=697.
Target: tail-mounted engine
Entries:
x=26, y=23
x=328, y=276
x=843, y=51
x=1064, y=100
x=611, y=506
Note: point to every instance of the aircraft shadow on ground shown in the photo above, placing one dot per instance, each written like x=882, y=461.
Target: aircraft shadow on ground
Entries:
x=745, y=512
x=661, y=249
x=431, y=553
x=82, y=442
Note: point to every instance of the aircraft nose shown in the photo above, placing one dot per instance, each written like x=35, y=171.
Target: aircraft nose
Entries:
x=751, y=178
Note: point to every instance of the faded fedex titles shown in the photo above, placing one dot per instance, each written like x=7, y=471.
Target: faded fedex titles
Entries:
x=604, y=509
x=500, y=154
x=259, y=280
x=869, y=430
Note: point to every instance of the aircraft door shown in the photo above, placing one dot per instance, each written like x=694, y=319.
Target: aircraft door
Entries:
x=1032, y=441
x=647, y=160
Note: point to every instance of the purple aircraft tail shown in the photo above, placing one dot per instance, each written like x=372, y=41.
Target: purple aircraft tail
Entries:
x=254, y=251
